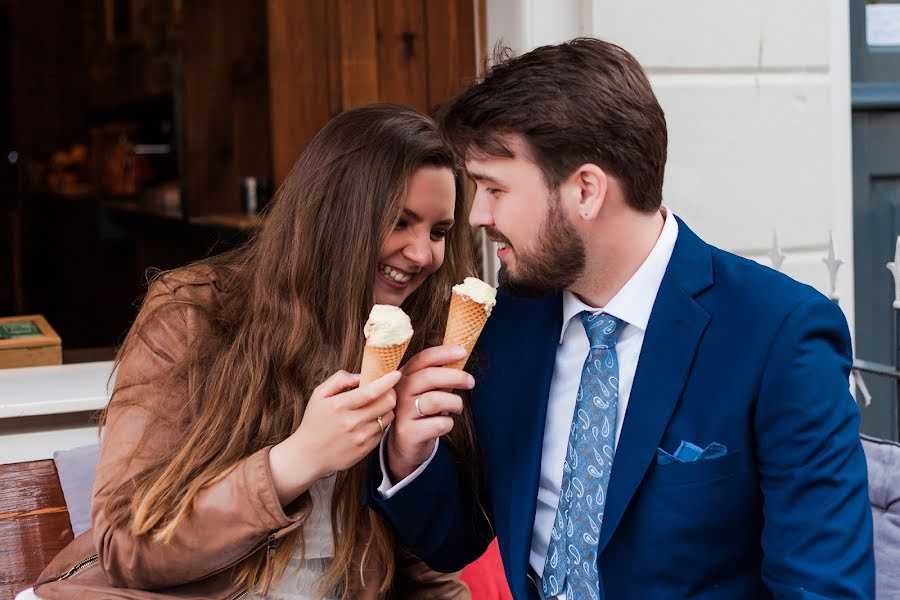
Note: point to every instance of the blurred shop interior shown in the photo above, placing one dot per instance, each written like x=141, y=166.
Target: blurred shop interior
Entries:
x=141, y=134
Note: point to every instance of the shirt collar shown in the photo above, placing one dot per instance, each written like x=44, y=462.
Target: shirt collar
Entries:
x=634, y=302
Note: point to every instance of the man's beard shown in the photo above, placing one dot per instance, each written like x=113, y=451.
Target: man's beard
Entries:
x=557, y=261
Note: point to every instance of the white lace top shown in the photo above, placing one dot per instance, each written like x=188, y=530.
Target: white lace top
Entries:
x=301, y=579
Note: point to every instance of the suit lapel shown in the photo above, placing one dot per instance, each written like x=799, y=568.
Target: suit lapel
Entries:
x=530, y=359
x=676, y=326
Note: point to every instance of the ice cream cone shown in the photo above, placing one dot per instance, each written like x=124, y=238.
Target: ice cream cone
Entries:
x=387, y=332
x=465, y=321
x=380, y=360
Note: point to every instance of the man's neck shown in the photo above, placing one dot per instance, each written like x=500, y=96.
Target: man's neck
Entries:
x=620, y=248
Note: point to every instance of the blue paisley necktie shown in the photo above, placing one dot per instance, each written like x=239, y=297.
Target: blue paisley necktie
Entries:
x=571, y=563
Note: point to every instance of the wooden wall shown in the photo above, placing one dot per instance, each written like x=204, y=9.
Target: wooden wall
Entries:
x=225, y=102
x=304, y=69
x=261, y=79
x=325, y=57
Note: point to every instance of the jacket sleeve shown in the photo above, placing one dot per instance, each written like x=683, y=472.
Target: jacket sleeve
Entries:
x=228, y=520
x=817, y=533
x=437, y=515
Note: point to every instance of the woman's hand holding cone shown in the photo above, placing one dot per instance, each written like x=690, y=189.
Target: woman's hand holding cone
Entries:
x=340, y=427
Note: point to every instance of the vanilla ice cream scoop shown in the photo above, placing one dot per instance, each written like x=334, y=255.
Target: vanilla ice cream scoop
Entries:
x=478, y=291
x=387, y=326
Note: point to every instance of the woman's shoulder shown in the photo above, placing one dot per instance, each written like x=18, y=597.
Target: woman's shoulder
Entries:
x=191, y=283
x=185, y=291
x=178, y=305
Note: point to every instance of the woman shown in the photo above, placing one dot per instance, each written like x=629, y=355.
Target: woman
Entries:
x=235, y=437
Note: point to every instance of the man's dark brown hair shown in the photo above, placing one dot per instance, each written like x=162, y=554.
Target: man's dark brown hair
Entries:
x=583, y=101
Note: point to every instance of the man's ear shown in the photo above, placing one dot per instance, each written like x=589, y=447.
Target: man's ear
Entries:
x=591, y=183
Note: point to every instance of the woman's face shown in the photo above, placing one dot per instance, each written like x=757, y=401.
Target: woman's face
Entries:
x=415, y=248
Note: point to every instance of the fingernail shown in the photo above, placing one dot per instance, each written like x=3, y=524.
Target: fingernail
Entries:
x=471, y=381
x=459, y=352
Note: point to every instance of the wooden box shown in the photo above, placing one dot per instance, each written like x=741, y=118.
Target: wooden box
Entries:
x=28, y=341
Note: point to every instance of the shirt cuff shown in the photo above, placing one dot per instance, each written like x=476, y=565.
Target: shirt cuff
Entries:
x=388, y=489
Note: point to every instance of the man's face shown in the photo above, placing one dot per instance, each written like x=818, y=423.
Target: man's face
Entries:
x=538, y=249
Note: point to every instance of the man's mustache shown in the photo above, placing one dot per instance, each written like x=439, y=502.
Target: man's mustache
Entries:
x=496, y=236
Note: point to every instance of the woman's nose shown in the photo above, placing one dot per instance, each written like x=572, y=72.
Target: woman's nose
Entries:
x=418, y=250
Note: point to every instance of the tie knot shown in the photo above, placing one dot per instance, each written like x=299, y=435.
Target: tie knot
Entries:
x=602, y=329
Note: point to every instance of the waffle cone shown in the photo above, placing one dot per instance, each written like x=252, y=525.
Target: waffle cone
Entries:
x=380, y=360
x=464, y=324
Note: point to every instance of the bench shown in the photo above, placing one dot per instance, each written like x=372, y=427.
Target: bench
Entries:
x=34, y=522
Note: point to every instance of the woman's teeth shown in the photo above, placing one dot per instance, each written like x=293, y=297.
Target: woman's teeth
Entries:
x=397, y=276
x=502, y=245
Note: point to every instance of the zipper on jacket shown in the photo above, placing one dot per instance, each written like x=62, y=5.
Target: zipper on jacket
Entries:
x=269, y=567
x=91, y=560
x=80, y=566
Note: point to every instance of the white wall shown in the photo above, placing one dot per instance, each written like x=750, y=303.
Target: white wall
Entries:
x=757, y=99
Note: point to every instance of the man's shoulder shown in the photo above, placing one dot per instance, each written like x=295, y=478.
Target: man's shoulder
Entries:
x=749, y=288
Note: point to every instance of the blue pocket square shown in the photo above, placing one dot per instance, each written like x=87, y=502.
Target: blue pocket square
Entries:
x=688, y=452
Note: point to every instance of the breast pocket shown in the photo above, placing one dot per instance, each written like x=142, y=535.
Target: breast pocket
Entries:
x=696, y=473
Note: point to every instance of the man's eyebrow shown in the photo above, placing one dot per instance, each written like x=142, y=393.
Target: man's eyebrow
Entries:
x=413, y=216
x=484, y=177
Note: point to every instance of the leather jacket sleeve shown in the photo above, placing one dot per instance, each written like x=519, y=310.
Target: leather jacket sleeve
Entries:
x=229, y=519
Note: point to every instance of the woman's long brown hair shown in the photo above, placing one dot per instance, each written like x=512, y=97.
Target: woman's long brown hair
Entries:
x=291, y=309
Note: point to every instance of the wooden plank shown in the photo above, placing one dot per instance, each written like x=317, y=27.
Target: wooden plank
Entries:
x=250, y=123
x=481, y=56
x=299, y=94
x=452, y=50
x=358, y=52
x=207, y=108
x=34, y=522
x=335, y=78
x=402, y=73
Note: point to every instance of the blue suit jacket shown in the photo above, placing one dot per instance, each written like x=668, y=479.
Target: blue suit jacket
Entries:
x=734, y=353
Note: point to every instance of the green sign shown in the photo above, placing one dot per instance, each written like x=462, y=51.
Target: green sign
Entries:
x=18, y=329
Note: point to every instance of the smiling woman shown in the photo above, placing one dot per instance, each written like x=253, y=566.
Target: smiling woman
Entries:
x=235, y=403
x=415, y=248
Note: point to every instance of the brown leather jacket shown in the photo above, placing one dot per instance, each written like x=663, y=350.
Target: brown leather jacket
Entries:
x=231, y=520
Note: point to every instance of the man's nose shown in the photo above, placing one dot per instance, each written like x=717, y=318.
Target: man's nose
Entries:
x=480, y=215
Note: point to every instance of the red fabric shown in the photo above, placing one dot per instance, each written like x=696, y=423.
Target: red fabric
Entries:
x=485, y=576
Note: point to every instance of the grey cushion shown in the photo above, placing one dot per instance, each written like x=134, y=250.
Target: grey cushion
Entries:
x=77, y=468
x=883, y=459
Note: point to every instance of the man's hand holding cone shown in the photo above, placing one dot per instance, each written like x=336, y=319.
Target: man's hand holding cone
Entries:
x=425, y=402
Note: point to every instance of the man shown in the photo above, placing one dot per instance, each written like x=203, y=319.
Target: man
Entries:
x=659, y=419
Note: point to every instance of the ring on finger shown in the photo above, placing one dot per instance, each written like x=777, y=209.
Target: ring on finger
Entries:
x=419, y=410
x=380, y=424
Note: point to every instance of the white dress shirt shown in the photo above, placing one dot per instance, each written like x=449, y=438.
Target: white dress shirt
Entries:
x=633, y=304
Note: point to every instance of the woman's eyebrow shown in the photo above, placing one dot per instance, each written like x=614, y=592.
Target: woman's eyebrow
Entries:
x=415, y=218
